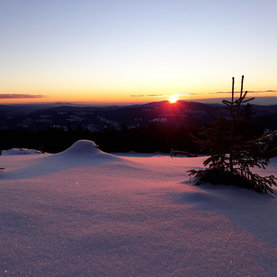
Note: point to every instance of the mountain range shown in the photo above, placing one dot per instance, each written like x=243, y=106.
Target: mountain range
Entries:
x=97, y=118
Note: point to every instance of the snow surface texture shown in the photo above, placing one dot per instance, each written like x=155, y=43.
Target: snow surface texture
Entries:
x=20, y=151
x=84, y=212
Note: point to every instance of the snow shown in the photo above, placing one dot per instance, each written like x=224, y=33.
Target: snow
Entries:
x=83, y=212
x=20, y=151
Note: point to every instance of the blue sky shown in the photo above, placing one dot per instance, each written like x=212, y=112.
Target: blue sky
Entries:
x=111, y=51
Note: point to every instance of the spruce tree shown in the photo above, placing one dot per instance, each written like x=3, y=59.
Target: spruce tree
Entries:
x=233, y=152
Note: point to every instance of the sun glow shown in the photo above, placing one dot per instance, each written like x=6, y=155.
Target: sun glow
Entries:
x=173, y=98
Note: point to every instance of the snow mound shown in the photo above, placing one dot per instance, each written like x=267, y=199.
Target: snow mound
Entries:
x=83, y=153
x=85, y=149
x=20, y=151
x=81, y=147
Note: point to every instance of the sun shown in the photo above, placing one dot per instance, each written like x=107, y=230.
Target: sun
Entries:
x=173, y=98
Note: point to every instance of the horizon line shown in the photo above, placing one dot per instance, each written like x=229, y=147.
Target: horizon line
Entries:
x=263, y=100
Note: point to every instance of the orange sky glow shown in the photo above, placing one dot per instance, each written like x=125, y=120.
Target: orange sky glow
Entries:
x=135, y=51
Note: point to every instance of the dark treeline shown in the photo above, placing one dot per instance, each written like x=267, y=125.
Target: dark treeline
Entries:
x=153, y=138
x=153, y=127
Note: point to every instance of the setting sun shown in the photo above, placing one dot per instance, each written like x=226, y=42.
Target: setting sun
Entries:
x=173, y=98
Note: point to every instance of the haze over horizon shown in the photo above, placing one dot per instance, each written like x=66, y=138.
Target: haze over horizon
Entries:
x=134, y=52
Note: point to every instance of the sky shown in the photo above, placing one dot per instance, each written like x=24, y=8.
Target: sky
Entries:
x=126, y=51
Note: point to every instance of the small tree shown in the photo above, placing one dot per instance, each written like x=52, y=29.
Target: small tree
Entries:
x=233, y=153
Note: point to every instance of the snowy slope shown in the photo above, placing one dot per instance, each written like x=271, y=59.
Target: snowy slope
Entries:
x=84, y=212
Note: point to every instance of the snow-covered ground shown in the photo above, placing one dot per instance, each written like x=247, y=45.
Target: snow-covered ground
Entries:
x=20, y=151
x=83, y=212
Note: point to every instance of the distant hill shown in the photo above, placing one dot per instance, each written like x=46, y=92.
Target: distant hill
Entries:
x=95, y=118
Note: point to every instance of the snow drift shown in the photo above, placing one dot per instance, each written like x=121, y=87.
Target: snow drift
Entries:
x=85, y=150
x=82, y=153
x=20, y=151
